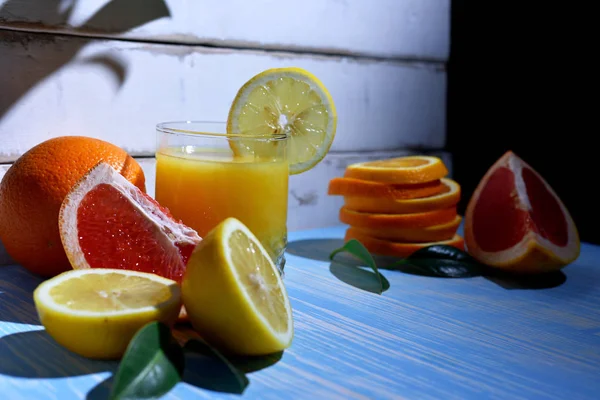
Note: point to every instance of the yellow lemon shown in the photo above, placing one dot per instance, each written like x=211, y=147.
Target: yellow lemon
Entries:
x=95, y=312
x=285, y=101
x=234, y=295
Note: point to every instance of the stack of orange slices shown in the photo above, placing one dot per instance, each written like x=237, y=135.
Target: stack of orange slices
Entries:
x=396, y=206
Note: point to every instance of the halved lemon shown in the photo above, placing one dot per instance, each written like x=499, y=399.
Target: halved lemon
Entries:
x=400, y=170
x=96, y=312
x=288, y=101
x=234, y=295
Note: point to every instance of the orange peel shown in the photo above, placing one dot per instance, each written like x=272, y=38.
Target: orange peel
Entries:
x=393, y=221
x=400, y=170
x=397, y=249
x=448, y=198
x=432, y=233
x=358, y=187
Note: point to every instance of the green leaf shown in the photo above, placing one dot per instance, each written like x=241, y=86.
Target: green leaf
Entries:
x=442, y=251
x=441, y=261
x=358, y=277
x=357, y=249
x=209, y=369
x=151, y=366
x=437, y=267
x=248, y=364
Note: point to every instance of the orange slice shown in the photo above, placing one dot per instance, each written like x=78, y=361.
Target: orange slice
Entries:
x=392, y=221
x=432, y=233
x=397, y=249
x=358, y=187
x=401, y=170
x=448, y=198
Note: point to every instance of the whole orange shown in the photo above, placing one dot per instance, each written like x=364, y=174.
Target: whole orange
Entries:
x=34, y=187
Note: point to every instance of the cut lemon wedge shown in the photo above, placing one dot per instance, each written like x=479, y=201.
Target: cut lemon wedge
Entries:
x=96, y=312
x=400, y=170
x=234, y=295
x=288, y=101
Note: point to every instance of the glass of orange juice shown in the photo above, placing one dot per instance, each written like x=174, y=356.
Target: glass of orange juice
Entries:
x=204, y=175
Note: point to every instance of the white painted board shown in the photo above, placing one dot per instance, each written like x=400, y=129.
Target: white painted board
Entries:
x=408, y=29
x=309, y=206
x=117, y=91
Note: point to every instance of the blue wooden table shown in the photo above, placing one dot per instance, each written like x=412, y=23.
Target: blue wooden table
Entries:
x=424, y=338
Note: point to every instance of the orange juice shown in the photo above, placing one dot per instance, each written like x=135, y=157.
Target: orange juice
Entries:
x=202, y=187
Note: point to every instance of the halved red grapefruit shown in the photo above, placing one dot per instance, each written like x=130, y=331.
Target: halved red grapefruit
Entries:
x=515, y=221
x=107, y=222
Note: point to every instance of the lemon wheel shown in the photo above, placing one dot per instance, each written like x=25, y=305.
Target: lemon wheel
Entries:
x=289, y=101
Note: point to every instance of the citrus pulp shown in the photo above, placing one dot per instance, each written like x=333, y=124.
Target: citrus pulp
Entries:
x=234, y=294
x=96, y=312
x=285, y=101
x=515, y=221
x=106, y=222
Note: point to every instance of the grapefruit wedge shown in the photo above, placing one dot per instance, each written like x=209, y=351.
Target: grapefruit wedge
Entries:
x=107, y=222
x=515, y=221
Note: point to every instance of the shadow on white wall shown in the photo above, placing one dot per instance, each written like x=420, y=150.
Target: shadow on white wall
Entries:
x=117, y=16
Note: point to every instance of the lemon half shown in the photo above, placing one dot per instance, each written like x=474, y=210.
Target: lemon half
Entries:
x=96, y=312
x=234, y=294
x=288, y=101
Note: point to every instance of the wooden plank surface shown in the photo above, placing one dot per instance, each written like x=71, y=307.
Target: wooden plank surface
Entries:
x=424, y=338
x=409, y=29
x=118, y=91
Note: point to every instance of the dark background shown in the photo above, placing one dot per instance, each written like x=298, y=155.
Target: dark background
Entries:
x=520, y=78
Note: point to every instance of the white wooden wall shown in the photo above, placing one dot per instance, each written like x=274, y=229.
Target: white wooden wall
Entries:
x=113, y=69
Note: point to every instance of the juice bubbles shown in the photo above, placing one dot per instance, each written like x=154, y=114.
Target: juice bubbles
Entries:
x=204, y=186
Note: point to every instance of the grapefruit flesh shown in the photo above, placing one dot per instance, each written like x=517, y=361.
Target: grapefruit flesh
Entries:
x=515, y=220
x=106, y=222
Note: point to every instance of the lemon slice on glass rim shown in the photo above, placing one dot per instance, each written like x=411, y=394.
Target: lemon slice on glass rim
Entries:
x=289, y=101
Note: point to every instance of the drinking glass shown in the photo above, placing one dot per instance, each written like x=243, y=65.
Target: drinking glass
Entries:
x=205, y=175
